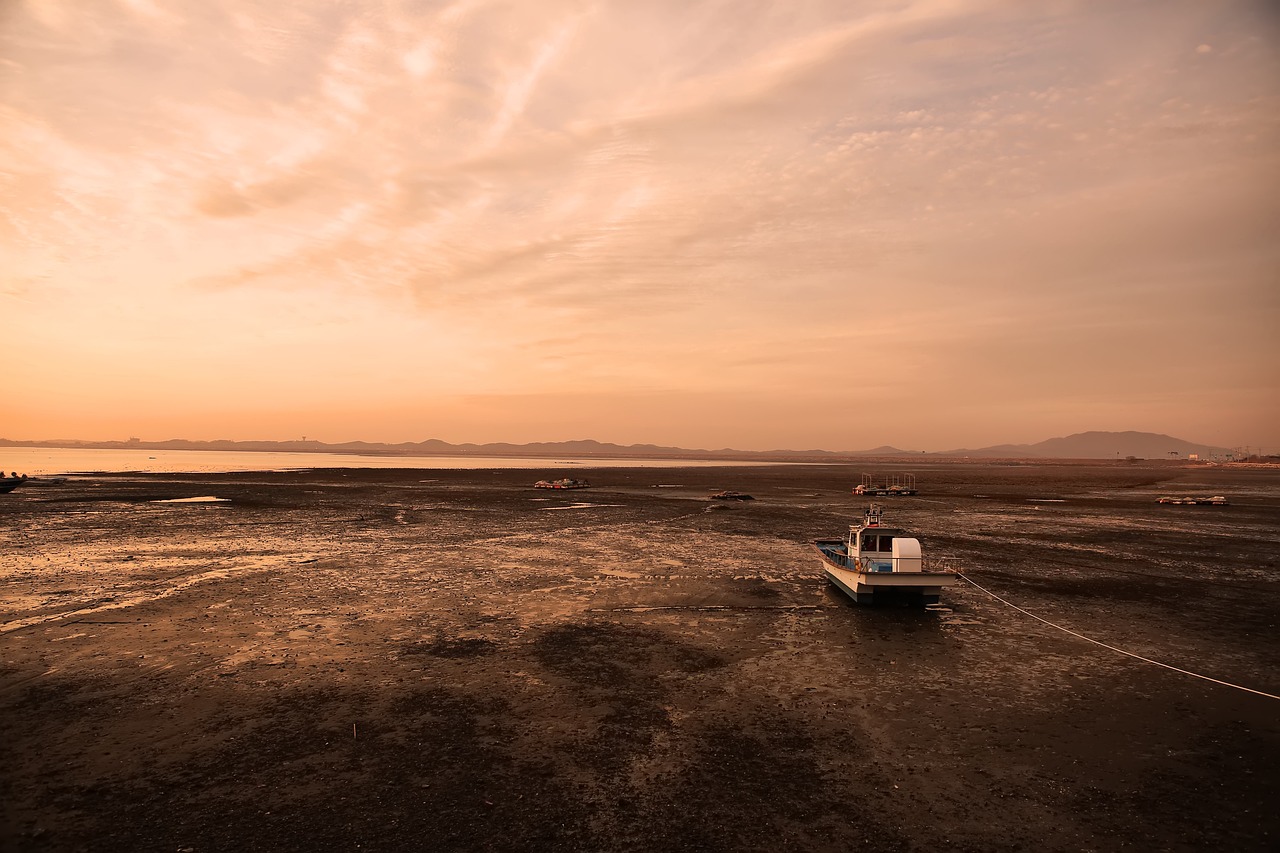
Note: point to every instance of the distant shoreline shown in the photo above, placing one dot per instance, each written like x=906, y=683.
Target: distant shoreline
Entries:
x=533, y=452
x=1093, y=446
x=621, y=454
x=46, y=461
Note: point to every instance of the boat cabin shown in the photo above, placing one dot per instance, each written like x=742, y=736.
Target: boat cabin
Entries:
x=873, y=548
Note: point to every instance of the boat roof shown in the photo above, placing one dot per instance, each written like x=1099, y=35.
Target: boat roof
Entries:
x=876, y=527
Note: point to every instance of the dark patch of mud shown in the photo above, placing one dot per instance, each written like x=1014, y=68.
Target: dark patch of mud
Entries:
x=452, y=647
x=764, y=786
x=605, y=656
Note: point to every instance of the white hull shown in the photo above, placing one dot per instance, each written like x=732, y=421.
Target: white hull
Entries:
x=862, y=587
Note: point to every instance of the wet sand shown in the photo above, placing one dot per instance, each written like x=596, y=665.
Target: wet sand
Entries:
x=397, y=660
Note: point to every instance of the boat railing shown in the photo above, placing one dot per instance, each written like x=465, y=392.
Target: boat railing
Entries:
x=941, y=564
x=891, y=564
x=837, y=554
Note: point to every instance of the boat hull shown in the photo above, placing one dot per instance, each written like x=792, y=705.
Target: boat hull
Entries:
x=868, y=587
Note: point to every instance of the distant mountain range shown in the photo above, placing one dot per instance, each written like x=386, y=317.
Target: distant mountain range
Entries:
x=1084, y=445
x=1098, y=445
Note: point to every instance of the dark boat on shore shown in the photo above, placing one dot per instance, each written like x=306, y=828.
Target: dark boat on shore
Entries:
x=731, y=496
x=8, y=484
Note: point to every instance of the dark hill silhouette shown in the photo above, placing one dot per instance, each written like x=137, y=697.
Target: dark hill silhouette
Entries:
x=1084, y=445
x=1096, y=445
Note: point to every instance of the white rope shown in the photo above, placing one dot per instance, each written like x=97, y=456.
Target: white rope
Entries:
x=1113, y=648
x=645, y=608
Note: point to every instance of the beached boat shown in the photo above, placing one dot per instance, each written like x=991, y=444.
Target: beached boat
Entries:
x=882, y=491
x=878, y=559
x=8, y=484
x=1216, y=500
x=897, y=485
x=566, y=483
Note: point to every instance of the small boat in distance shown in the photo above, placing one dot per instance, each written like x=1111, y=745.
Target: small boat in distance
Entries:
x=8, y=484
x=565, y=483
x=1216, y=500
x=877, y=559
x=898, y=484
x=731, y=496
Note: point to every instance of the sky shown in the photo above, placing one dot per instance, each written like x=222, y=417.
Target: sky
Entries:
x=755, y=224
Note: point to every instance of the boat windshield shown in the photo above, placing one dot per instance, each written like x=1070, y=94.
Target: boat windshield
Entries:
x=878, y=542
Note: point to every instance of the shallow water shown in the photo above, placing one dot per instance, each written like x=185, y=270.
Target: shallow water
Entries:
x=53, y=461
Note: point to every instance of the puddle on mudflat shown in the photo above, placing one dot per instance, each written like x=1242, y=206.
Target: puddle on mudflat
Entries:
x=202, y=499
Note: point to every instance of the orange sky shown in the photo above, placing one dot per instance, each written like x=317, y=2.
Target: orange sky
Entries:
x=709, y=224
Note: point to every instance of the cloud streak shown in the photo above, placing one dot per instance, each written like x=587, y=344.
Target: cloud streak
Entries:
x=681, y=199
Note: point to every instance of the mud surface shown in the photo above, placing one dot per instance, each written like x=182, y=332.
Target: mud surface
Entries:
x=399, y=660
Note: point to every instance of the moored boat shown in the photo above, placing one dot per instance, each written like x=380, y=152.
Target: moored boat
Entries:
x=566, y=483
x=731, y=496
x=8, y=484
x=895, y=486
x=882, y=491
x=877, y=559
x=1216, y=500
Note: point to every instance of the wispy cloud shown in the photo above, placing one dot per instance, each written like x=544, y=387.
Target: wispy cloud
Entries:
x=663, y=197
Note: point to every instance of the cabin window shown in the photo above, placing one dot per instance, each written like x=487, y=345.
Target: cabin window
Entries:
x=880, y=544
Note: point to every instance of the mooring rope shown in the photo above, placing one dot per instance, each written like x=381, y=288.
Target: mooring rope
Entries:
x=1114, y=648
x=718, y=608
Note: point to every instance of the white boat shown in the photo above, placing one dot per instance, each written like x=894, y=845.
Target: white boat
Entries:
x=895, y=486
x=1216, y=500
x=566, y=483
x=878, y=559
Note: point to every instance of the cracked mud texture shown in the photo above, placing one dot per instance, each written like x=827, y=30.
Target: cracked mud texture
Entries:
x=429, y=660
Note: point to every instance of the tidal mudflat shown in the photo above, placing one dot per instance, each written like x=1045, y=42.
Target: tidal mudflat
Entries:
x=398, y=660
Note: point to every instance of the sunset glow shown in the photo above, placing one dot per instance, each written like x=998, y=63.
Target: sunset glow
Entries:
x=707, y=224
